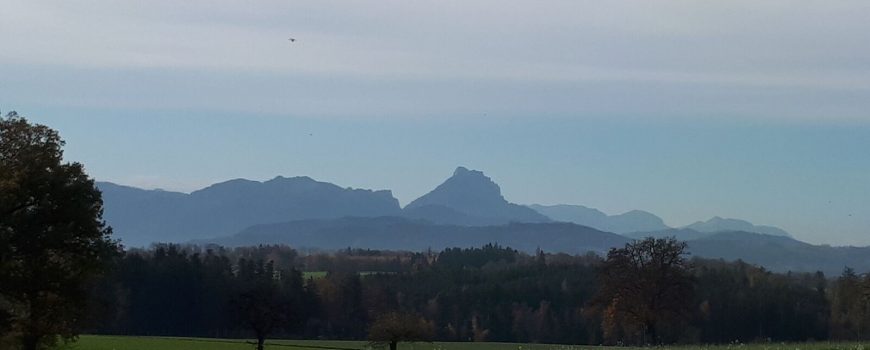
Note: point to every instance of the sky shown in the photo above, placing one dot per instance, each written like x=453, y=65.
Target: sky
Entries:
x=687, y=109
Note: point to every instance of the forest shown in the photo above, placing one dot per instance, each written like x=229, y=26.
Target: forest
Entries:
x=491, y=293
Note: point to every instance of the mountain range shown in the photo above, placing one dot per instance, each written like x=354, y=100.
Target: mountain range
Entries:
x=639, y=221
x=140, y=217
x=776, y=253
x=717, y=224
x=632, y=221
x=470, y=198
x=467, y=209
x=398, y=233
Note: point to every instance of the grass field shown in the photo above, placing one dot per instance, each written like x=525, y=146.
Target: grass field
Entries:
x=321, y=274
x=313, y=274
x=94, y=342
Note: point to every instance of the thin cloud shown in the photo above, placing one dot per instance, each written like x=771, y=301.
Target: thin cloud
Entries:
x=738, y=48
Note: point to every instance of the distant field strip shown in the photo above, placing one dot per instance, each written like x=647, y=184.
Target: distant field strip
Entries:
x=98, y=342
x=313, y=274
x=321, y=345
x=322, y=274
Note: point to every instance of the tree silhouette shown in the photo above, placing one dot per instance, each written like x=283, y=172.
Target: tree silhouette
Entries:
x=262, y=304
x=394, y=327
x=52, y=236
x=643, y=285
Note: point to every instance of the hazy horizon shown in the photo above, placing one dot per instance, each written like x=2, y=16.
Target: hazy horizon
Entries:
x=757, y=111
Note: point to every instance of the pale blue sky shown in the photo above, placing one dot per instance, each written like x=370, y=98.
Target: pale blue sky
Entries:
x=754, y=110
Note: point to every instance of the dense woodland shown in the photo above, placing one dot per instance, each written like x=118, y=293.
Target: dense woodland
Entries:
x=483, y=294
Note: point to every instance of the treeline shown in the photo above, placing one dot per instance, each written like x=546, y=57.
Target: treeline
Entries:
x=850, y=307
x=482, y=294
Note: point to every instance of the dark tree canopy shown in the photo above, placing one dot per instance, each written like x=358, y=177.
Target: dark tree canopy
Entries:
x=850, y=309
x=52, y=236
x=190, y=291
x=395, y=327
x=266, y=297
x=642, y=285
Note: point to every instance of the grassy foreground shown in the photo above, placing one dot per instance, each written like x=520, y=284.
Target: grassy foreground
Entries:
x=98, y=342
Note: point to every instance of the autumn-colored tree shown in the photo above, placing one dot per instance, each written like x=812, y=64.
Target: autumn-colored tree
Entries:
x=395, y=327
x=643, y=285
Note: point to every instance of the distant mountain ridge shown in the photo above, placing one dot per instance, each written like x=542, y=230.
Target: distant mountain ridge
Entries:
x=718, y=224
x=638, y=221
x=466, y=210
x=398, y=233
x=683, y=234
x=776, y=253
x=467, y=198
x=140, y=217
x=780, y=253
x=470, y=198
x=632, y=221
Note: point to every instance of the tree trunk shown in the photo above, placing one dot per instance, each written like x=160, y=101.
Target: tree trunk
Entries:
x=651, y=330
x=393, y=345
x=30, y=342
x=261, y=341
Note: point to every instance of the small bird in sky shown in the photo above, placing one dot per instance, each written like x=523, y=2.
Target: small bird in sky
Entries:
x=292, y=40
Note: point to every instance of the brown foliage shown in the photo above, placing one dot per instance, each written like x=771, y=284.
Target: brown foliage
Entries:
x=643, y=285
x=394, y=327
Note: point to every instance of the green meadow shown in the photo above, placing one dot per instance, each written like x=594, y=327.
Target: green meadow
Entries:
x=322, y=274
x=313, y=274
x=97, y=342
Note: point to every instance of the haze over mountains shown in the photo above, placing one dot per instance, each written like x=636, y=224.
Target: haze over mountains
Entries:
x=632, y=221
x=467, y=209
x=639, y=221
x=140, y=217
x=397, y=233
x=717, y=224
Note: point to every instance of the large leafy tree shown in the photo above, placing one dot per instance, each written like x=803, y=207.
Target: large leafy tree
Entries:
x=643, y=286
x=53, y=240
x=267, y=298
x=395, y=327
